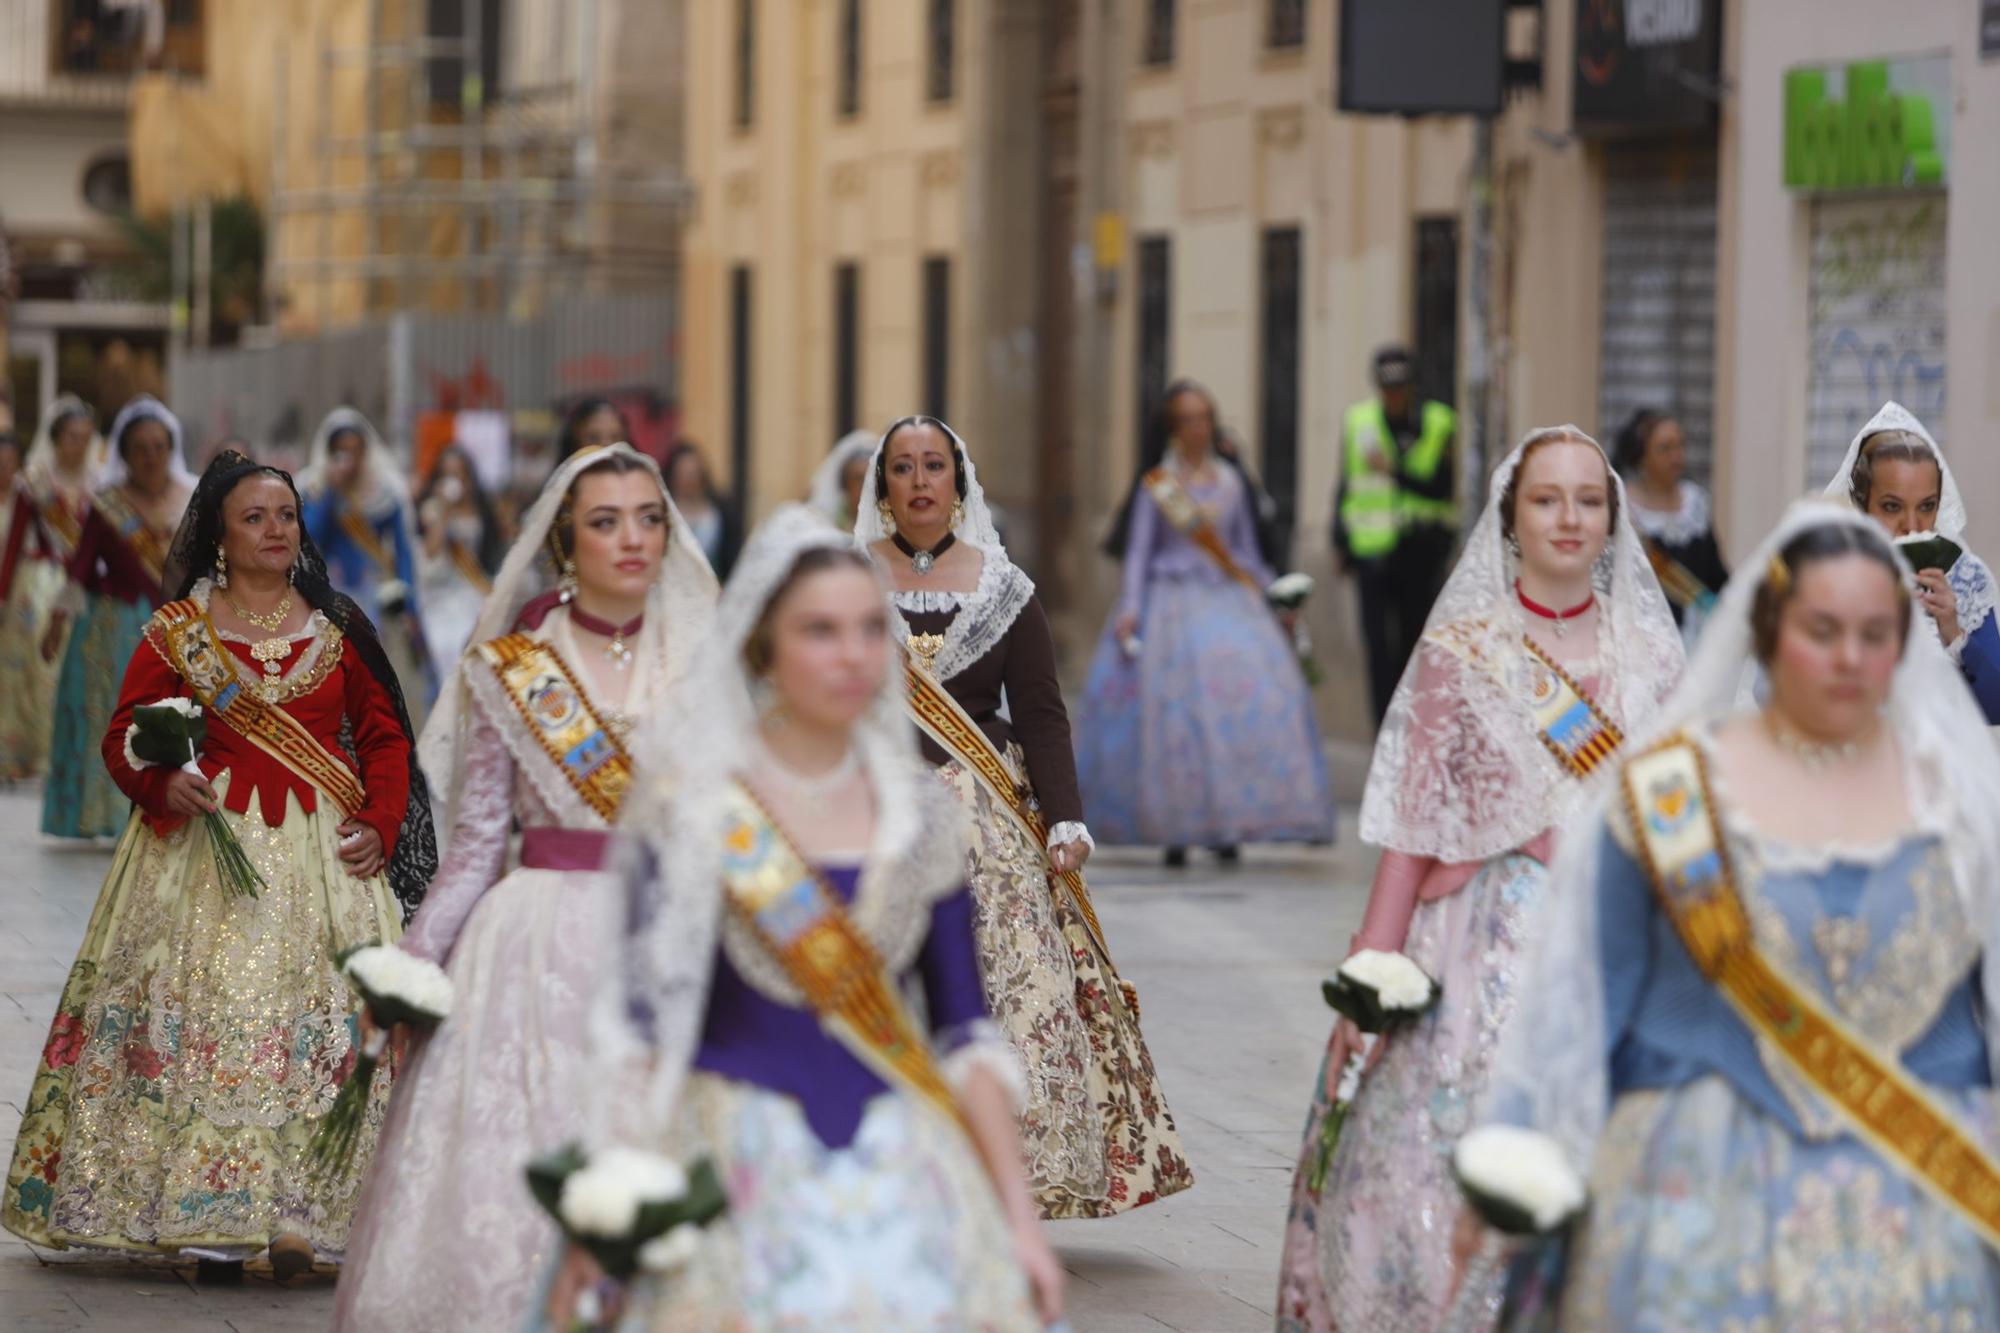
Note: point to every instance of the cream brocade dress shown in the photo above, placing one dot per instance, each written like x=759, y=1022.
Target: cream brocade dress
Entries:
x=448, y=1236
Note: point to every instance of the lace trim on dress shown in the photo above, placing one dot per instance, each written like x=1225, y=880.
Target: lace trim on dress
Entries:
x=307, y=672
x=1688, y=523
x=985, y=615
x=920, y=600
x=1972, y=582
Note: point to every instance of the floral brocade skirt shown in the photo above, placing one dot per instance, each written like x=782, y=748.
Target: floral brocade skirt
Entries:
x=1096, y=1132
x=1208, y=737
x=1707, y=1214
x=27, y=683
x=1371, y=1251
x=900, y=1229
x=79, y=799
x=447, y=1236
x=199, y=1040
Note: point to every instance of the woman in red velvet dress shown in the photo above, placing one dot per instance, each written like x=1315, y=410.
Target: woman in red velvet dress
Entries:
x=202, y=1035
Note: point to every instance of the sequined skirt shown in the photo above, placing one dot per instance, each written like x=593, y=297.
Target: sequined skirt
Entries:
x=27, y=683
x=79, y=799
x=198, y=1042
x=1372, y=1249
x=900, y=1229
x=1096, y=1133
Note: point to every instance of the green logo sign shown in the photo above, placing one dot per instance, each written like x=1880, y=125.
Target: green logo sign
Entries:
x=1875, y=137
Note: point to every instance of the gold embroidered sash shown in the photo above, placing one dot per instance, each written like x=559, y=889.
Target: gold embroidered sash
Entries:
x=1568, y=722
x=1677, y=581
x=132, y=528
x=468, y=567
x=559, y=716
x=945, y=721
x=801, y=921
x=182, y=634
x=58, y=519
x=1668, y=800
x=359, y=531
x=1182, y=510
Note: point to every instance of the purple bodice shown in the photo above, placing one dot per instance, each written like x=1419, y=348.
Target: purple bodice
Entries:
x=755, y=1039
x=1156, y=550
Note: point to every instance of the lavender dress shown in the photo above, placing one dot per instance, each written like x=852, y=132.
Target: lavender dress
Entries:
x=1207, y=737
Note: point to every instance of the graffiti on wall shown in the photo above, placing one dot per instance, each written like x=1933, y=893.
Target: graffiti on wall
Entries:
x=1877, y=319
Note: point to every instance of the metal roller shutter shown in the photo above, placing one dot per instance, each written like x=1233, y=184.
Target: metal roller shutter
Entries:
x=1877, y=318
x=1658, y=339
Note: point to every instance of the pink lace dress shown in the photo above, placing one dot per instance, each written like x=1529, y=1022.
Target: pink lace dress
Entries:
x=447, y=1236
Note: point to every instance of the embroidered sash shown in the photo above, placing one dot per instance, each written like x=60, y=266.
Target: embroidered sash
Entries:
x=141, y=537
x=1185, y=514
x=801, y=921
x=1677, y=581
x=182, y=633
x=359, y=531
x=1668, y=799
x=58, y=519
x=945, y=721
x=468, y=567
x=559, y=716
x=1568, y=721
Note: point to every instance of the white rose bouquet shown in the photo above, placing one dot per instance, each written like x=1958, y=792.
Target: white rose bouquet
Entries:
x=1289, y=593
x=1518, y=1179
x=395, y=987
x=1377, y=990
x=169, y=733
x=634, y=1211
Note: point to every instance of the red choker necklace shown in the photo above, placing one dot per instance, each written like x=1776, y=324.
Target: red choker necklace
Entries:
x=616, y=650
x=1561, y=618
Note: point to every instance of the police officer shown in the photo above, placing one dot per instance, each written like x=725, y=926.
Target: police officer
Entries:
x=1395, y=516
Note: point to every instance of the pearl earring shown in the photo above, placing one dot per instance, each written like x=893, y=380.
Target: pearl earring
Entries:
x=221, y=567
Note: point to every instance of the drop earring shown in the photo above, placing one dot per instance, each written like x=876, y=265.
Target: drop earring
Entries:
x=888, y=515
x=957, y=511
x=221, y=567
x=568, y=582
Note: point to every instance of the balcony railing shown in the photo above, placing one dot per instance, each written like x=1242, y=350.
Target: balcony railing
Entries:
x=85, y=53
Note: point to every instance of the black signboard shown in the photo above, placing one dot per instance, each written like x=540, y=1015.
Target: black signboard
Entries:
x=1647, y=64
x=1415, y=57
x=1989, y=29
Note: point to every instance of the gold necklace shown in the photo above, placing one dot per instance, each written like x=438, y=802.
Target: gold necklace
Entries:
x=270, y=621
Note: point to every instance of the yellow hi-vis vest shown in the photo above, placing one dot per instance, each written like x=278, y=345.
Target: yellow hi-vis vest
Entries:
x=1375, y=510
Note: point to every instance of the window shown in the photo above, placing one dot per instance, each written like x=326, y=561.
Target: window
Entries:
x=739, y=382
x=1278, y=370
x=746, y=63
x=850, y=58
x=1155, y=306
x=1287, y=24
x=846, y=347
x=937, y=336
x=468, y=26
x=94, y=37
x=1436, y=321
x=1159, y=40
x=941, y=51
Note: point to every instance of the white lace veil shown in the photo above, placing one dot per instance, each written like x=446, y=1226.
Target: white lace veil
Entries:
x=146, y=407
x=382, y=484
x=975, y=523
x=1459, y=772
x=1894, y=416
x=678, y=611
x=39, y=466
x=828, y=497
x=673, y=815
x=1551, y=1072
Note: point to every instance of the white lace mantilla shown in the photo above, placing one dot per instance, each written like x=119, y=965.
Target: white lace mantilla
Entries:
x=918, y=601
x=1679, y=527
x=984, y=615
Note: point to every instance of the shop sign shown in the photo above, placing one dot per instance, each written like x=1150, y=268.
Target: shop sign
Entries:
x=1868, y=125
x=1646, y=64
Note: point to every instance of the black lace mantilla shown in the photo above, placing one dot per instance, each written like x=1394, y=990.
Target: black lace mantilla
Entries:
x=415, y=859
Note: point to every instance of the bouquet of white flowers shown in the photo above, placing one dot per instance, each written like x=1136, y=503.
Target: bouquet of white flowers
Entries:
x=1518, y=1179
x=170, y=733
x=1377, y=990
x=634, y=1211
x=1289, y=592
x=395, y=987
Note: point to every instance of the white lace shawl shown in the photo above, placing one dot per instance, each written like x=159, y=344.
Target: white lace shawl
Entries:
x=1459, y=771
x=650, y=1019
x=142, y=408
x=39, y=467
x=679, y=609
x=827, y=496
x=382, y=488
x=1685, y=524
x=1550, y=1073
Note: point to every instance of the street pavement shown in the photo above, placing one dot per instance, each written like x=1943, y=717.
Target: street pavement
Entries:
x=1226, y=960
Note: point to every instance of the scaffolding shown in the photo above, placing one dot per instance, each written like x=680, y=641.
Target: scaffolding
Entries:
x=477, y=177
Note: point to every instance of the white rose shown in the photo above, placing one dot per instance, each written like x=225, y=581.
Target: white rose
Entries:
x=1523, y=1167
x=663, y=1254
x=185, y=707
x=390, y=973
x=1397, y=982
x=1290, y=587
x=603, y=1197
